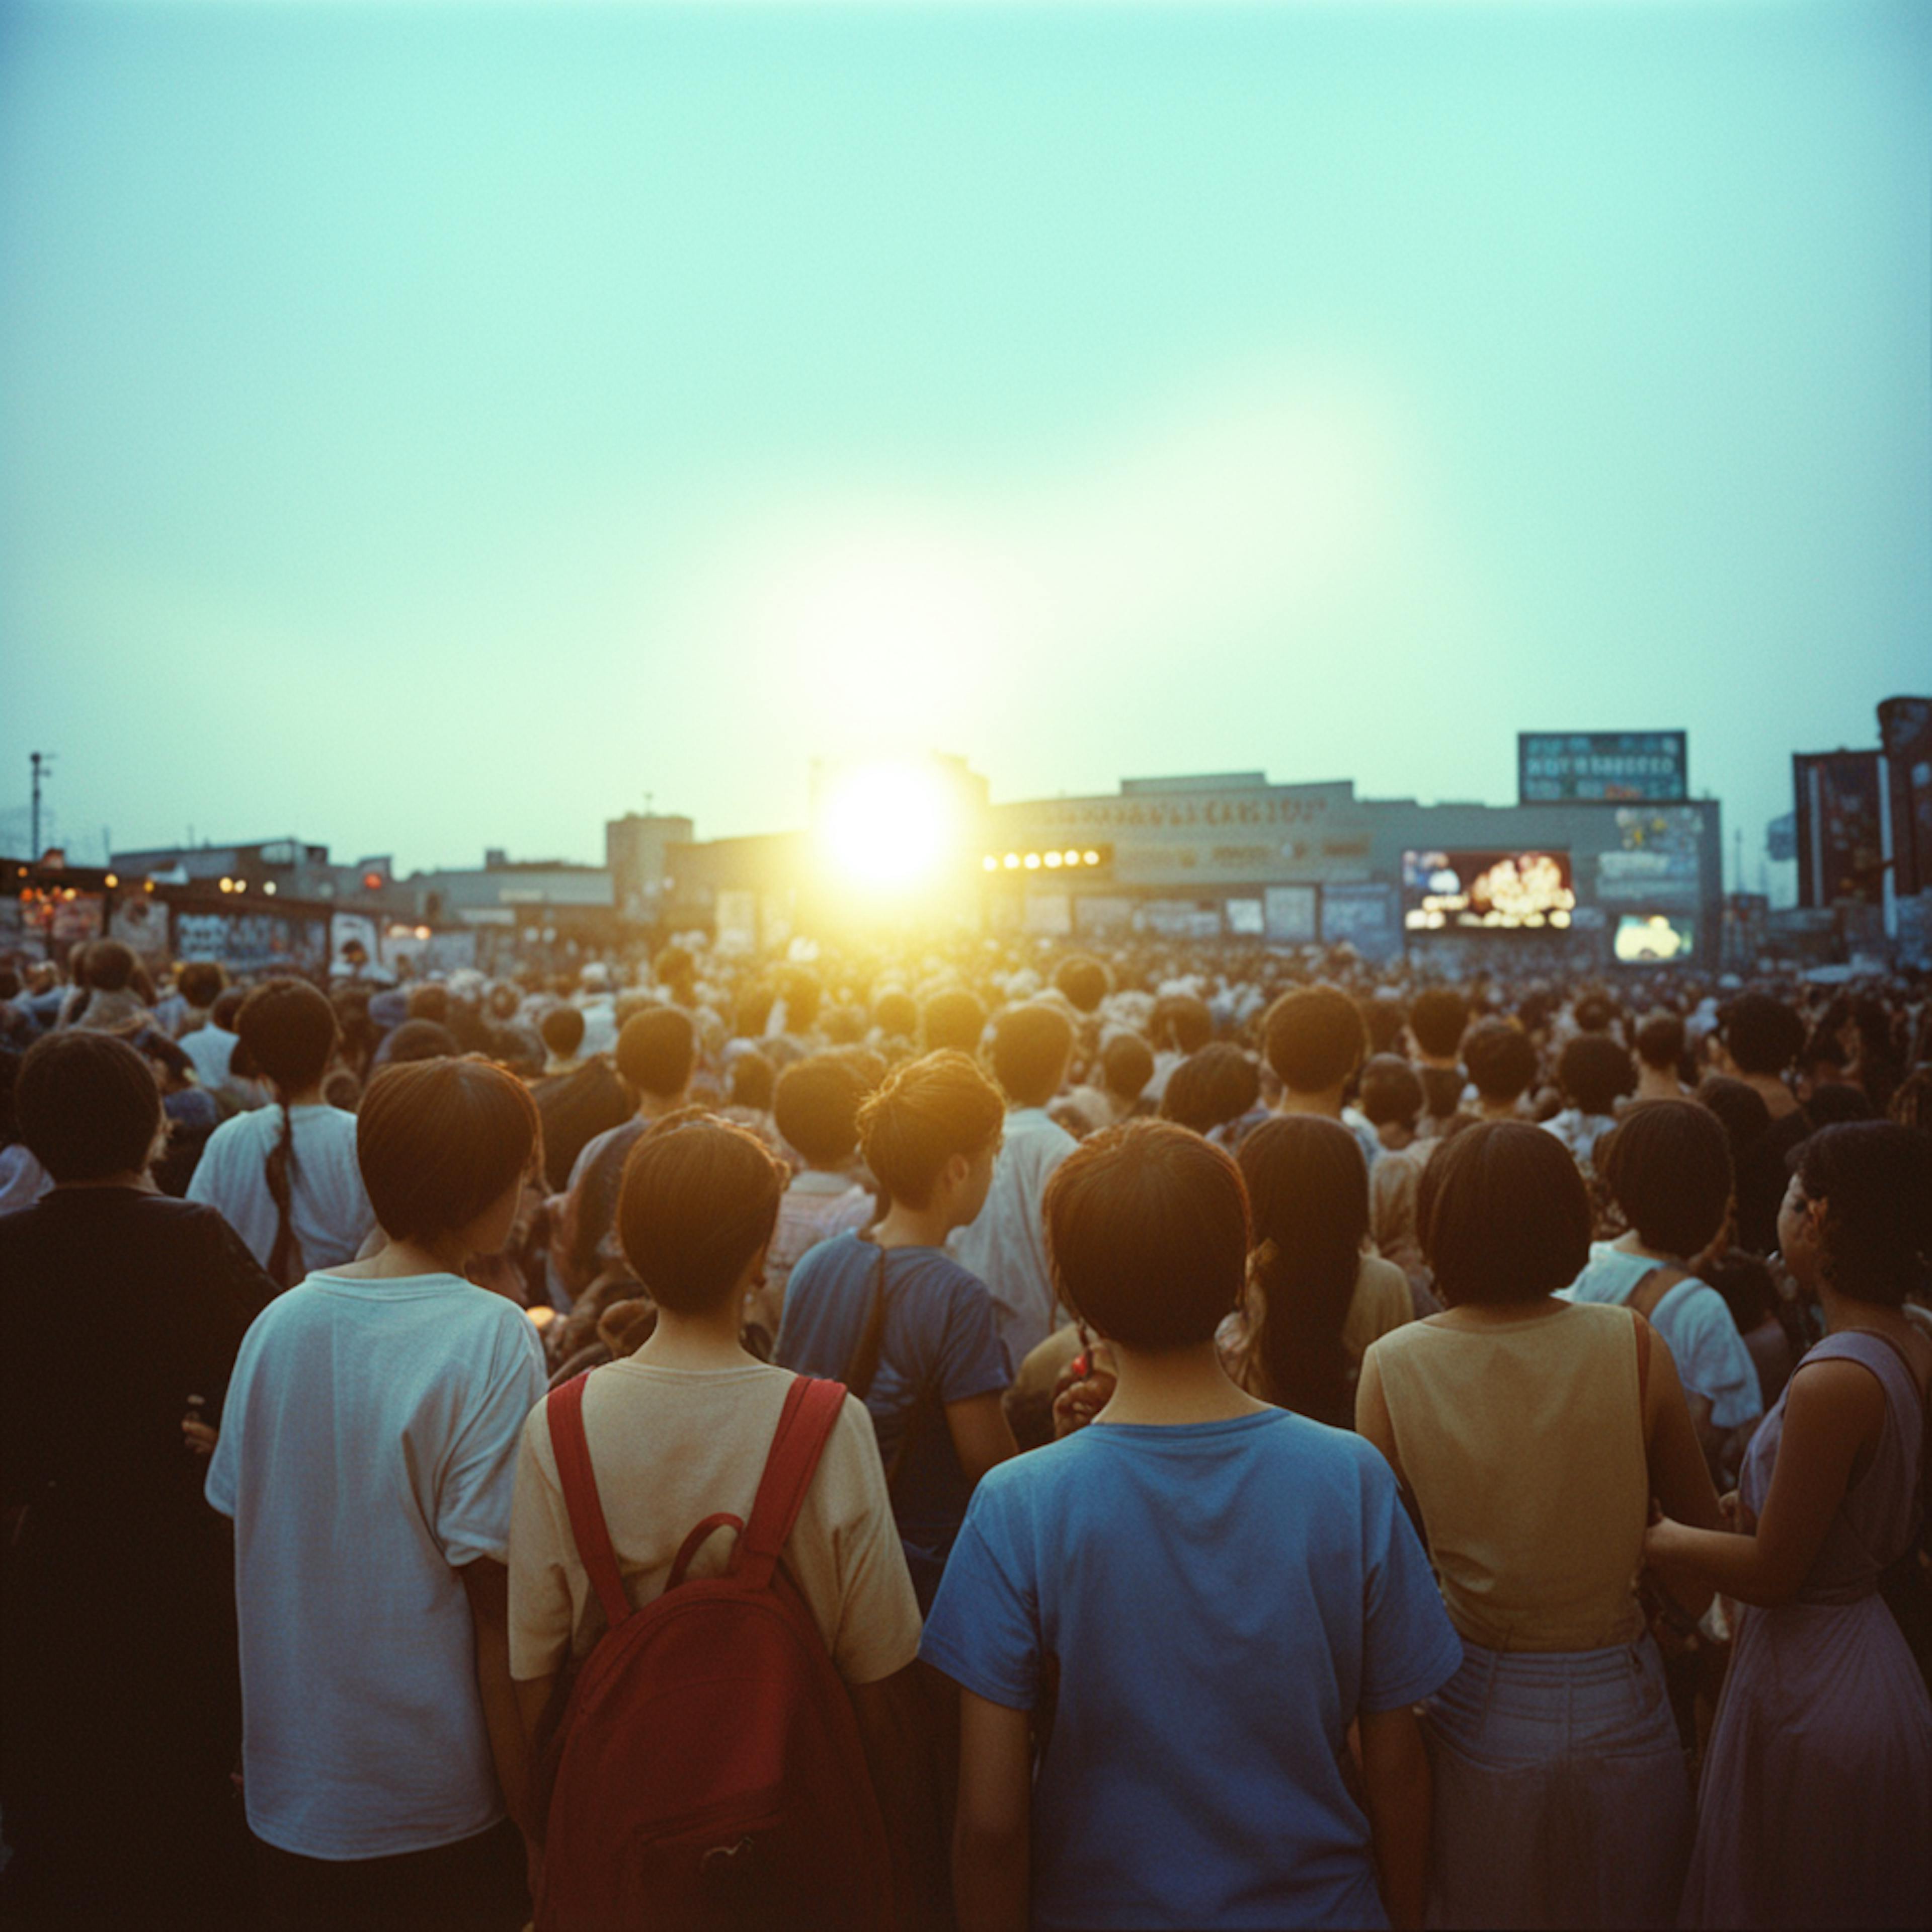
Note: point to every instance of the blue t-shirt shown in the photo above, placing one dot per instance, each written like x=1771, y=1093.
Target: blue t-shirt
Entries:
x=940, y=1339
x=1223, y=1599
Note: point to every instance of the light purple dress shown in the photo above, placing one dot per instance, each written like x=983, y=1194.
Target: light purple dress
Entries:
x=1815, y=1806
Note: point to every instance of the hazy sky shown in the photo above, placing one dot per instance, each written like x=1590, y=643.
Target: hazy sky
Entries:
x=428, y=427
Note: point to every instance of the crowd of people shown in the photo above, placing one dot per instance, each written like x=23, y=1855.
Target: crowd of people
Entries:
x=963, y=1433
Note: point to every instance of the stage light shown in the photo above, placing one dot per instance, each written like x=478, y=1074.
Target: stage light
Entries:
x=268, y=885
x=1053, y=862
x=1091, y=858
x=1032, y=861
x=991, y=864
x=1012, y=862
x=1072, y=858
x=888, y=825
x=110, y=880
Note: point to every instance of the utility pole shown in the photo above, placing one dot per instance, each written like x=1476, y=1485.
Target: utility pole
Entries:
x=41, y=760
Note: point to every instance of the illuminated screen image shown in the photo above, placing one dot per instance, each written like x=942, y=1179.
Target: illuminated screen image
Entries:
x=1653, y=940
x=1501, y=891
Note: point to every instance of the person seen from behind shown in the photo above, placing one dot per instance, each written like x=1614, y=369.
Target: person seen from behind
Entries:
x=1230, y=1594
x=285, y=1177
x=1314, y=1040
x=893, y=1316
x=1532, y=1433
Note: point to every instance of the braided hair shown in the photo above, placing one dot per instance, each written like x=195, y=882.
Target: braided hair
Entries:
x=288, y=1028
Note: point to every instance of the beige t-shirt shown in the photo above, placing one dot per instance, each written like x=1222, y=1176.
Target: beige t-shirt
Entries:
x=1381, y=1302
x=670, y=1447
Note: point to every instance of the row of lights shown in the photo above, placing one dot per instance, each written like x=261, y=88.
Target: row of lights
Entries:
x=1032, y=862
x=239, y=886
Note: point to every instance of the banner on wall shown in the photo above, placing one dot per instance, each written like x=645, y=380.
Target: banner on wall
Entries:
x=1905, y=731
x=1841, y=833
x=1287, y=914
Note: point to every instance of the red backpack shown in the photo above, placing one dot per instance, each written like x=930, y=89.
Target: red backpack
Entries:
x=707, y=1772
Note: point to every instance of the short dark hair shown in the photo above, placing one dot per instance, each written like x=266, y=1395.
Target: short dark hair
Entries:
x=1391, y=1090
x=1875, y=1178
x=1314, y=1038
x=1217, y=1083
x=1384, y=1015
x=1503, y=1214
x=1500, y=1058
x=1762, y=1035
x=927, y=1110
x=227, y=1007
x=1595, y=1072
x=1126, y=1065
x=289, y=1029
x=753, y=1079
x=656, y=1049
x=896, y=1014
x=953, y=1020
x=86, y=1105
x=562, y=1030
x=1437, y=1017
x=1660, y=1040
x=816, y=1105
x=1181, y=1022
x=1031, y=1045
x=1740, y=1108
x=1747, y=1287
x=417, y=1040
x=698, y=1199
x=109, y=965
x=1147, y=1228
x=1669, y=1164
x=200, y=981
x=1596, y=1011
x=439, y=1140
x=1083, y=979
x=803, y=994
x=428, y=1001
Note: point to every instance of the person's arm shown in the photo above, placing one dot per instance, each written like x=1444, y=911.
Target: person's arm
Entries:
x=1834, y=1409
x=893, y=1728
x=532, y=1696
x=983, y=1438
x=1372, y=1417
x=486, y=1584
x=992, y=1835
x=1399, y=1794
x=1680, y=1477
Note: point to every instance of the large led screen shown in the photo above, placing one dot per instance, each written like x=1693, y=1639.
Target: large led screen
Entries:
x=1501, y=891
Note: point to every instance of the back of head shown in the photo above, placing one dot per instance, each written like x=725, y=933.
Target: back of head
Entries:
x=439, y=1140
x=1083, y=979
x=1214, y=1085
x=429, y=1001
x=1384, y=1015
x=1500, y=1058
x=226, y=1010
x=698, y=1202
x=1391, y=1091
x=1503, y=1215
x=1147, y=1227
x=288, y=1028
x=1595, y=1073
x=1308, y=1191
x=1596, y=1011
x=1740, y=1109
x=420, y=1039
x=1762, y=1035
x=200, y=981
x=1126, y=1065
x=562, y=1030
x=656, y=1052
x=110, y=964
x=1315, y=1039
x=1875, y=1179
x=1030, y=1046
x=816, y=1105
x=1669, y=1164
x=753, y=1079
x=927, y=1110
x=675, y=968
x=952, y=1021
x=1437, y=1017
x=1746, y=1285
x=1659, y=1040
x=803, y=995
x=1832, y=1102
x=1181, y=1023
x=86, y=1105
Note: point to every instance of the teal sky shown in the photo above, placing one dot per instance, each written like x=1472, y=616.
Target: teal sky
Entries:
x=428, y=427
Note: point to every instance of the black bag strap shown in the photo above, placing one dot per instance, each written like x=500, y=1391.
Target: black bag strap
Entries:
x=863, y=1366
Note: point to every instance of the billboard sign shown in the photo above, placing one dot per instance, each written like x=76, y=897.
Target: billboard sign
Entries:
x=1289, y=914
x=1655, y=939
x=1602, y=767
x=1657, y=861
x=1905, y=730
x=1840, y=815
x=1501, y=891
x=1366, y=917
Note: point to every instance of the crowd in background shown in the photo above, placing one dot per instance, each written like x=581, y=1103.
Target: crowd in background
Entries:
x=1325, y=1444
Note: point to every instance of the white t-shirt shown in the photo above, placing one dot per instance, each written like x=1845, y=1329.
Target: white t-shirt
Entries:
x=211, y=1048
x=1006, y=1243
x=329, y=1211
x=368, y=1452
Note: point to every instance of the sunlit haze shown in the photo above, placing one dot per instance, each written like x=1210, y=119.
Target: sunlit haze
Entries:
x=429, y=427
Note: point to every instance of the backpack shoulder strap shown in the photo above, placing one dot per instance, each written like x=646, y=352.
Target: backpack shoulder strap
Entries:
x=563, y=1409
x=811, y=1412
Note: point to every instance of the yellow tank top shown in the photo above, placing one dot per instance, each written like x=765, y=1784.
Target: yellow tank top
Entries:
x=1523, y=1444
